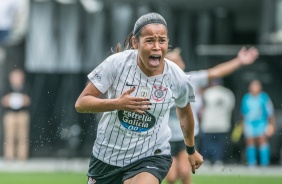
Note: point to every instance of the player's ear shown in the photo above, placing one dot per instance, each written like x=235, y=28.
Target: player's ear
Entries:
x=134, y=42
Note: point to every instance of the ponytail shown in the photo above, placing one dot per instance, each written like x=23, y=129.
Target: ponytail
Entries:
x=127, y=44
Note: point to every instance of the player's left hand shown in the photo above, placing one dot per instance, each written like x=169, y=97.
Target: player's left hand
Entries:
x=269, y=130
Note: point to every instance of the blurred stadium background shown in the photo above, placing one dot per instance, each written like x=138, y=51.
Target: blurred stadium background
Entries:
x=58, y=42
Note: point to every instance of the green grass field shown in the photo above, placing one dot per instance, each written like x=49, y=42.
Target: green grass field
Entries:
x=80, y=178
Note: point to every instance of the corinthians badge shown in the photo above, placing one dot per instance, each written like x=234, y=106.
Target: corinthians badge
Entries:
x=158, y=93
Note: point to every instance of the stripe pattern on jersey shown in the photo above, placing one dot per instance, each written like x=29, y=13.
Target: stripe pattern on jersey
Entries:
x=117, y=144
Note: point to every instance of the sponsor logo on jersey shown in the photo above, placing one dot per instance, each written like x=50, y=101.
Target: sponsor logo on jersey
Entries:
x=96, y=76
x=136, y=122
x=152, y=167
x=191, y=97
x=128, y=84
x=158, y=93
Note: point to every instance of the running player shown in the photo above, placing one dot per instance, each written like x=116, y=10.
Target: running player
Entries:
x=199, y=79
x=132, y=144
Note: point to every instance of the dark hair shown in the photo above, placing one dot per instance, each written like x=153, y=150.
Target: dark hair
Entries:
x=150, y=18
x=146, y=19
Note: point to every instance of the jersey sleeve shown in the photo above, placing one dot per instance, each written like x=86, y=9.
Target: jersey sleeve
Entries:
x=104, y=74
x=243, y=108
x=186, y=93
x=268, y=105
x=199, y=78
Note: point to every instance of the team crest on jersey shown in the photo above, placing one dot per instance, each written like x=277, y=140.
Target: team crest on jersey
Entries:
x=136, y=122
x=158, y=93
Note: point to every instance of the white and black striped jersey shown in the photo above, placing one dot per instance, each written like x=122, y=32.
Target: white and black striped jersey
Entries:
x=124, y=137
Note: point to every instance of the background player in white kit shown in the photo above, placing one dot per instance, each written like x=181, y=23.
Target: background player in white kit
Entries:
x=132, y=144
x=199, y=79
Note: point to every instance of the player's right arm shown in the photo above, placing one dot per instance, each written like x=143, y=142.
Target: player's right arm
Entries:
x=244, y=57
x=89, y=102
x=186, y=118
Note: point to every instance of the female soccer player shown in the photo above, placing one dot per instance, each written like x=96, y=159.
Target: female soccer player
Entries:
x=259, y=123
x=132, y=145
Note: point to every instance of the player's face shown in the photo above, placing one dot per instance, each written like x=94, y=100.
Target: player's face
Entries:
x=152, y=47
x=255, y=87
x=17, y=77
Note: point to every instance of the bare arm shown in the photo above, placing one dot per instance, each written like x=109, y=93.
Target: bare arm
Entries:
x=244, y=57
x=271, y=126
x=89, y=102
x=5, y=101
x=26, y=100
x=186, y=119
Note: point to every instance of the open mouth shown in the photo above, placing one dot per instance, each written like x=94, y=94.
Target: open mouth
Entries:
x=155, y=60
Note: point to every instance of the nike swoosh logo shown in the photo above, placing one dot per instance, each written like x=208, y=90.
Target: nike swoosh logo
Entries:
x=127, y=84
x=150, y=167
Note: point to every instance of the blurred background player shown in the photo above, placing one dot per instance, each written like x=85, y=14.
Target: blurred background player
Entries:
x=178, y=169
x=219, y=103
x=258, y=123
x=16, y=117
x=199, y=79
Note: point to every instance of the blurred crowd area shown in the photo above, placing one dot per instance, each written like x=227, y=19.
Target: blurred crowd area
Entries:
x=58, y=42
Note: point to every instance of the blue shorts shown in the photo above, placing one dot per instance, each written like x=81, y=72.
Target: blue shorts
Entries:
x=102, y=173
x=254, y=130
